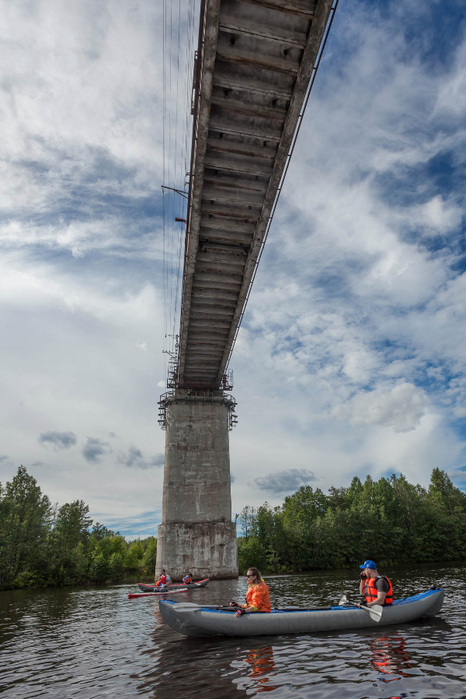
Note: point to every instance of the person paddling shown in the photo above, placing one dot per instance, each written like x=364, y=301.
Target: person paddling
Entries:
x=377, y=589
x=257, y=596
x=188, y=578
x=163, y=580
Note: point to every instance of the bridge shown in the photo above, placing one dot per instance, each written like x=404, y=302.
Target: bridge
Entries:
x=253, y=72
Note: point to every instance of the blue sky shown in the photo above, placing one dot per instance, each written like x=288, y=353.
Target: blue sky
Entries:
x=351, y=358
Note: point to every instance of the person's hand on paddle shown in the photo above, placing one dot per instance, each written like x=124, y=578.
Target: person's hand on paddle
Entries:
x=241, y=608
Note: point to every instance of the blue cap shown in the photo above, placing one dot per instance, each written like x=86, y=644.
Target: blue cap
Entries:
x=369, y=564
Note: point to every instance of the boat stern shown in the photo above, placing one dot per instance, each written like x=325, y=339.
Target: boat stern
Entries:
x=436, y=604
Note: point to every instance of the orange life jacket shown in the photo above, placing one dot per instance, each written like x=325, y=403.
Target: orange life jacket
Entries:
x=371, y=593
x=162, y=581
x=187, y=579
x=258, y=596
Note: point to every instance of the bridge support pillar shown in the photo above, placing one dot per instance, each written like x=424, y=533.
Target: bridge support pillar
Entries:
x=197, y=534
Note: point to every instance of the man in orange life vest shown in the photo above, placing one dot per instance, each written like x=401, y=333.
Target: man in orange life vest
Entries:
x=377, y=589
x=163, y=580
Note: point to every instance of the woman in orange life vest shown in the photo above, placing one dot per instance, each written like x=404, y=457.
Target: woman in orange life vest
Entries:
x=257, y=596
x=188, y=578
x=377, y=589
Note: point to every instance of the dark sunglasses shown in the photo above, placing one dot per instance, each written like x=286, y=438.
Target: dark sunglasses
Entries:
x=249, y=576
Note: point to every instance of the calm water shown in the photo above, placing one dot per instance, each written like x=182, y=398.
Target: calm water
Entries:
x=96, y=643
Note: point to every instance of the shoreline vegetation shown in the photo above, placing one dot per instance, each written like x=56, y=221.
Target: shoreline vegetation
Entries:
x=389, y=520
x=44, y=545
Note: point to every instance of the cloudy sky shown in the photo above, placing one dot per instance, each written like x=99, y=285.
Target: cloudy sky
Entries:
x=352, y=356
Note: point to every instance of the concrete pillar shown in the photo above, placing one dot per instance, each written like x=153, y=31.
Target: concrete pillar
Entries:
x=197, y=534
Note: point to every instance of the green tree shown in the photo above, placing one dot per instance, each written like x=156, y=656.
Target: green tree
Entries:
x=247, y=520
x=100, y=568
x=116, y=567
x=72, y=524
x=251, y=552
x=150, y=555
x=134, y=557
x=99, y=531
x=25, y=522
x=68, y=543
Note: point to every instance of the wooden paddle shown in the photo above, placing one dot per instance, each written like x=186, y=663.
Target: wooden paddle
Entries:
x=375, y=612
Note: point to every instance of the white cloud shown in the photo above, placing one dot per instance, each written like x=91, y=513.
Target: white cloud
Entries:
x=439, y=216
x=451, y=96
x=401, y=408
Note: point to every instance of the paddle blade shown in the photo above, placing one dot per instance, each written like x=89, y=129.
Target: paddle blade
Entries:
x=343, y=600
x=376, y=612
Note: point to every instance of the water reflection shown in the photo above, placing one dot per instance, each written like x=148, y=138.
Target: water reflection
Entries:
x=91, y=643
x=389, y=656
x=262, y=667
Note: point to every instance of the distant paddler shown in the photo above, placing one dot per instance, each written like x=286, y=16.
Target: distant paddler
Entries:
x=163, y=580
x=376, y=588
x=188, y=579
x=257, y=596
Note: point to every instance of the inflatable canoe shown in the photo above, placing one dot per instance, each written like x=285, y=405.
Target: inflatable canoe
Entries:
x=195, y=620
x=175, y=586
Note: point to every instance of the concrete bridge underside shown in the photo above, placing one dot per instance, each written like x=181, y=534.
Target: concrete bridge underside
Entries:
x=252, y=72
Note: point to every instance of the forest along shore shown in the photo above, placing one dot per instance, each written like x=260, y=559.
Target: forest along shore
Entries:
x=42, y=545
x=390, y=521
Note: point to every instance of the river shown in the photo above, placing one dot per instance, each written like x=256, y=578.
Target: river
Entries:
x=94, y=642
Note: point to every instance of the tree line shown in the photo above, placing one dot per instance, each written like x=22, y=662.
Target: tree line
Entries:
x=389, y=521
x=45, y=545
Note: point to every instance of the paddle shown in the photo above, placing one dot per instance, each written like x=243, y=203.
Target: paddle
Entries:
x=193, y=607
x=375, y=612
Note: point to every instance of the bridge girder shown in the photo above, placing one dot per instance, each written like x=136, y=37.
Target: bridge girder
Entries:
x=254, y=65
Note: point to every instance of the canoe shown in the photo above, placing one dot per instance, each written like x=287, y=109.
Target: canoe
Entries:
x=196, y=620
x=133, y=595
x=175, y=586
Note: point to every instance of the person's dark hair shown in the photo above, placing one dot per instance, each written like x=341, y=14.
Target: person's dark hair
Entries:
x=255, y=572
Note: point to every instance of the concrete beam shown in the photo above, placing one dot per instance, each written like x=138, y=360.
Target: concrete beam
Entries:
x=267, y=53
x=250, y=96
x=259, y=21
x=255, y=183
x=248, y=213
x=309, y=57
x=253, y=78
x=300, y=8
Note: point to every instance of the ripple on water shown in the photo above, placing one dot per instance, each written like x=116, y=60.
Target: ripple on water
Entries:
x=86, y=643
